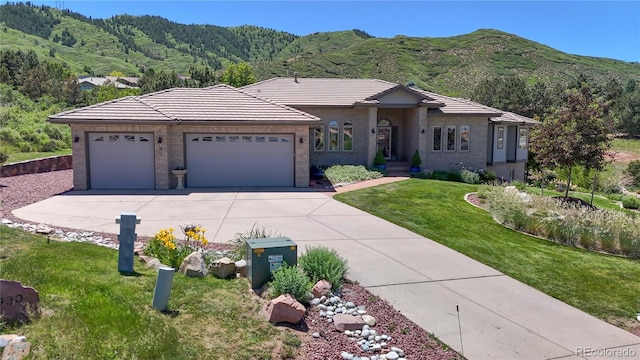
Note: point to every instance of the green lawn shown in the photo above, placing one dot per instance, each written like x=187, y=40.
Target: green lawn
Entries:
x=24, y=156
x=90, y=311
x=631, y=145
x=602, y=285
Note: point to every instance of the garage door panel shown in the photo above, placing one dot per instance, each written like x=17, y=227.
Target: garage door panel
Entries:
x=121, y=161
x=239, y=160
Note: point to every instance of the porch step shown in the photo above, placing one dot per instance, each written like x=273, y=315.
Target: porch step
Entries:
x=397, y=168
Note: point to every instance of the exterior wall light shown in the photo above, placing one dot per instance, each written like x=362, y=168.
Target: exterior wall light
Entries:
x=159, y=139
x=301, y=140
x=373, y=131
x=76, y=139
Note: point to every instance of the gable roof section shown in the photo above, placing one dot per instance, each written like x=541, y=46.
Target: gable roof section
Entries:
x=220, y=103
x=509, y=117
x=320, y=91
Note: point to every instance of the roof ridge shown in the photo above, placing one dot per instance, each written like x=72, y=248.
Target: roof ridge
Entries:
x=71, y=111
x=142, y=100
x=275, y=103
x=255, y=83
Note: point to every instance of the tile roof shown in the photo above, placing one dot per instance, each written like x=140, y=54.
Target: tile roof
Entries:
x=319, y=91
x=351, y=92
x=509, y=117
x=216, y=103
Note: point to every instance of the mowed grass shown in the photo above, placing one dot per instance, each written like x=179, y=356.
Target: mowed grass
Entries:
x=90, y=311
x=24, y=156
x=602, y=285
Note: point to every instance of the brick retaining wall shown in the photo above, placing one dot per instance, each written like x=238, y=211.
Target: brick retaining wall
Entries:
x=53, y=163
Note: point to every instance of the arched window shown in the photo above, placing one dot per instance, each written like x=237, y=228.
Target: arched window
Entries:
x=384, y=123
x=347, y=136
x=333, y=136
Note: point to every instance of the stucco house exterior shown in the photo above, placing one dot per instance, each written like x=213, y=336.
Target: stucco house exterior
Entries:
x=270, y=133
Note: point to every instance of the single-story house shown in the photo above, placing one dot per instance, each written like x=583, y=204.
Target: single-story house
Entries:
x=271, y=132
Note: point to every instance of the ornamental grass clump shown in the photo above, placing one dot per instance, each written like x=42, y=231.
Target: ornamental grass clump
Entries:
x=165, y=247
x=604, y=230
x=291, y=280
x=322, y=263
x=239, y=241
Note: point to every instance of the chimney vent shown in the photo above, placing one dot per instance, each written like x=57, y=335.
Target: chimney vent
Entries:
x=295, y=77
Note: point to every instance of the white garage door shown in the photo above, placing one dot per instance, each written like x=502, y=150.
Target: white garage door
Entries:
x=121, y=161
x=239, y=160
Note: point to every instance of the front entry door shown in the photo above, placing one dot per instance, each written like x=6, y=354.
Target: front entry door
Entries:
x=384, y=141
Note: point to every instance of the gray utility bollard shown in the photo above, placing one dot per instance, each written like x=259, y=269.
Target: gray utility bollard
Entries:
x=126, y=238
x=163, y=288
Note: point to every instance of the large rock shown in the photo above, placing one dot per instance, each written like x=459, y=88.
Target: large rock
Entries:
x=193, y=265
x=369, y=320
x=223, y=268
x=16, y=350
x=17, y=301
x=321, y=288
x=344, y=322
x=284, y=309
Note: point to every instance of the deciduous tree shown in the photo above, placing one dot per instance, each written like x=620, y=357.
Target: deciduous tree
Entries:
x=576, y=134
x=238, y=75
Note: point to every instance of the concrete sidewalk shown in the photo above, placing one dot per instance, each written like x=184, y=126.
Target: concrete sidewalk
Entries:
x=500, y=317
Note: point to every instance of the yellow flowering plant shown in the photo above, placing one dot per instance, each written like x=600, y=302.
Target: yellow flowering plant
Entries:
x=165, y=247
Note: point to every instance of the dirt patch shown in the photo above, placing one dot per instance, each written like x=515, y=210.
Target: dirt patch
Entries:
x=622, y=156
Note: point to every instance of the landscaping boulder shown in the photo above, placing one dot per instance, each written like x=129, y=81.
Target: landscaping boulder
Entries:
x=284, y=309
x=369, y=320
x=138, y=248
x=17, y=301
x=223, y=268
x=344, y=322
x=43, y=229
x=321, y=288
x=16, y=350
x=193, y=265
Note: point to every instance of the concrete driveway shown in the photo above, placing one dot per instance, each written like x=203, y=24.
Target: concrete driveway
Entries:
x=500, y=317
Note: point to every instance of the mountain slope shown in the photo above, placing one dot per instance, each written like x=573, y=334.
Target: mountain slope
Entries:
x=451, y=65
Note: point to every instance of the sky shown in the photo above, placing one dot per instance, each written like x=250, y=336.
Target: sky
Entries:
x=609, y=29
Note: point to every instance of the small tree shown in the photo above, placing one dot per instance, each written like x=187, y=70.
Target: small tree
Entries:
x=238, y=75
x=576, y=134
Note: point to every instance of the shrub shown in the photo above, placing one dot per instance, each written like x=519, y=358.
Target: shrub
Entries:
x=633, y=170
x=487, y=176
x=322, y=263
x=469, y=176
x=239, y=241
x=379, y=158
x=345, y=174
x=630, y=202
x=416, y=161
x=291, y=280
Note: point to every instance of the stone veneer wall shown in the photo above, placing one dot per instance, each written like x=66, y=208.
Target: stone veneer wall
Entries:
x=54, y=163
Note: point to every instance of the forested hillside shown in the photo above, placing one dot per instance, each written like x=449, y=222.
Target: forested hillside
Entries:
x=45, y=49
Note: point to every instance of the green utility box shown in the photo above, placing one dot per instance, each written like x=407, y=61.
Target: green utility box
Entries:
x=266, y=255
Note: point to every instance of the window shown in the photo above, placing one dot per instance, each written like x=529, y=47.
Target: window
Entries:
x=114, y=137
x=522, y=142
x=451, y=138
x=347, y=136
x=130, y=137
x=207, y=138
x=500, y=143
x=437, y=138
x=333, y=136
x=464, y=138
x=318, y=138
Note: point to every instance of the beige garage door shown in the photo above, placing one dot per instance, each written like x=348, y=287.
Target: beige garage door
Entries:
x=121, y=161
x=239, y=160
